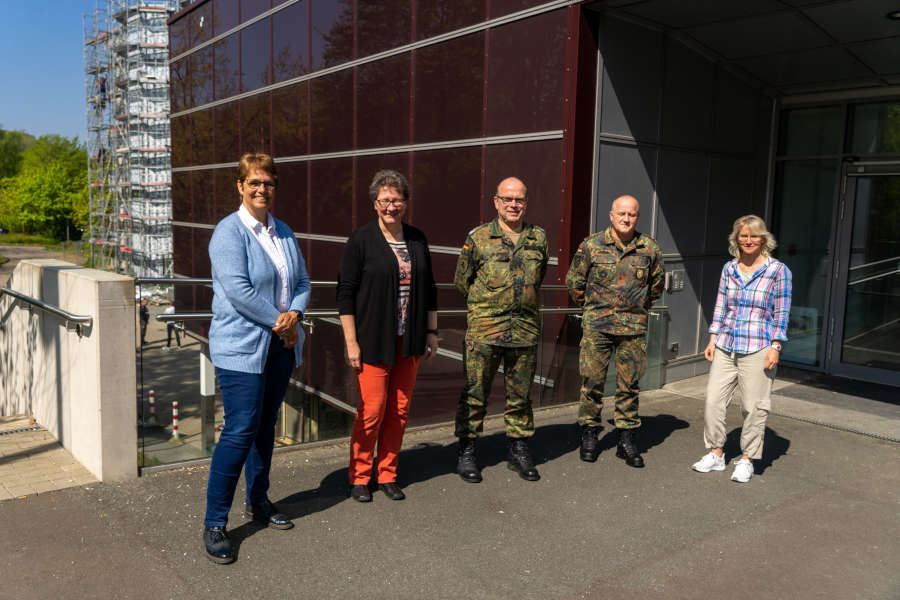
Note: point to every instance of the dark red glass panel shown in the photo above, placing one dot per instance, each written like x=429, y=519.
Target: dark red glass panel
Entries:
x=200, y=23
x=526, y=66
x=331, y=99
x=182, y=250
x=500, y=8
x=255, y=118
x=181, y=141
x=226, y=72
x=323, y=261
x=181, y=197
x=255, y=51
x=290, y=200
x=201, y=81
x=203, y=198
x=539, y=165
x=202, y=131
x=253, y=8
x=434, y=17
x=226, y=199
x=178, y=37
x=449, y=89
x=332, y=32
x=225, y=16
x=290, y=35
x=447, y=194
x=227, y=133
x=201, y=253
x=382, y=89
x=366, y=167
x=179, y=81
x=382, y=25
x=331, y=198
x=290, y=127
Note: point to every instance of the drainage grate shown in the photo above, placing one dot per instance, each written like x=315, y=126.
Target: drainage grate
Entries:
x=20, y=430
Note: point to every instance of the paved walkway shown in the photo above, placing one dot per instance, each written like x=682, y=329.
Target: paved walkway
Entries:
x=819, y=520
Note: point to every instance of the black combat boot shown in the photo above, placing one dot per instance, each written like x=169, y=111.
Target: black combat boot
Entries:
x=519, y=459
x=466, y=465
x=590, y=445
x=627, y=448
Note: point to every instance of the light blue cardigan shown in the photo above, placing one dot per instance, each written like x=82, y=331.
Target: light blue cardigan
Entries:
x=245, y=292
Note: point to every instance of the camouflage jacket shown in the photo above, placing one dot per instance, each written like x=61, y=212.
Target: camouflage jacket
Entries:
x=501, y=282
x=615, y=284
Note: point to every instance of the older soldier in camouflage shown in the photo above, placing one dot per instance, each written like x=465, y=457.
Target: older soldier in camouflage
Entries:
x=500, y=270
x=616, y=275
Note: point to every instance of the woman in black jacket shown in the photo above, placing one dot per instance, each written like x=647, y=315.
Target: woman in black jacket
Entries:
x=388, y=304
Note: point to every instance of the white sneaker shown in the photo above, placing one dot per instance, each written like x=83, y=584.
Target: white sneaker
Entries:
x=743, y=470
x=709, y=462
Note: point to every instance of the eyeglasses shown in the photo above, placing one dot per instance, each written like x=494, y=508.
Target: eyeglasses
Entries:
x=750, y=237
x=385, y=202
x=510, y=200
x=254, y=184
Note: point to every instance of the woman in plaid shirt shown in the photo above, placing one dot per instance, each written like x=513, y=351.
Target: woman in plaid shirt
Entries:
x=746, y=334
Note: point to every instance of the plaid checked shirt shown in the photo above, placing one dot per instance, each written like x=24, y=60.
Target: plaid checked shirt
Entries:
x=749, y=317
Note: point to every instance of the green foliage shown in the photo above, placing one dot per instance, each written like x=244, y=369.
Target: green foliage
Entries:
x=26, y=239
x=12, y=145
x=48, y=194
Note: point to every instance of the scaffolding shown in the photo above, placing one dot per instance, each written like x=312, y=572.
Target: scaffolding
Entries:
x=129, y=144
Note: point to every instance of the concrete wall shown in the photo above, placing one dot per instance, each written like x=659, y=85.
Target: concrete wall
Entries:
x=82, y=389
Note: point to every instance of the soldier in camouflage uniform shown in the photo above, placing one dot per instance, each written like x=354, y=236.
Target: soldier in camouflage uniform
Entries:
x=500, y=270
x=615, y=275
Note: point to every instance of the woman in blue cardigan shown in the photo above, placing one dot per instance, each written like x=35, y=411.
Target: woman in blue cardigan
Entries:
x=261, y=289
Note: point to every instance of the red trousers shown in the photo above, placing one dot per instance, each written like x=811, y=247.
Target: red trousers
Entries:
x=385, y=391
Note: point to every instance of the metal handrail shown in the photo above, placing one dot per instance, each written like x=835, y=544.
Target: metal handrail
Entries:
x=76, y=323
x=317, y=283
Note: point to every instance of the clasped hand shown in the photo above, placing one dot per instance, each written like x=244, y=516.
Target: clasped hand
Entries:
x=286, y=328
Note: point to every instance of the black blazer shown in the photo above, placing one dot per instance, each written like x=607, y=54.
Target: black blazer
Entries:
x=368, y=287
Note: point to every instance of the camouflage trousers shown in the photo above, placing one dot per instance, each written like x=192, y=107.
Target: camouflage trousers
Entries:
x=481, y=362
x=631, y=362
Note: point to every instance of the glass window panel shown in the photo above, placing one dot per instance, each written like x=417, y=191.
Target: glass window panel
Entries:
x=539, y=165
x=366, y=167
x=804, y=197
x=201, y=80
x=682, y=188
x=181, y=197
x=255, y=52
x=876, y=128
x=225, y=16
x=434, y=17
x=290, y=200
x=331, y=182
x=178, y=36
x=226, y=66
x=200, y=24
x=525, y=75
x=382, y=25
x=383, y=102
x=202, y=137
x=687, y=97
x=226, y=195
x=623, y=170
x=227, y=137
x=182, y=250
x=201, y=253
x=505, y=7
x=290, y=122
x=253, y=8
x=453, y=209
x=631, y=104
x=290, y=36
x=181, y=141
x=810, y=131
x=331, y=106
x=179, y=82
x=332, y=32
x=204, y=201
x=255, y=124
x=449, y=89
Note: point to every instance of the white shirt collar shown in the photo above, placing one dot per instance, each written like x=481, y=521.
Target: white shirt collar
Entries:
x=251, y=222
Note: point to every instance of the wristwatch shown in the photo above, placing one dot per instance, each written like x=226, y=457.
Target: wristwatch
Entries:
x=777, y=346
x=298, y=314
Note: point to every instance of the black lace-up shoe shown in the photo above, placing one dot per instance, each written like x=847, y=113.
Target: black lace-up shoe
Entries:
x=466, y=465
x=361, y=493
x=627, y=448
x=392, y=490
x=519, y=460
x=590, y=445
x=218, y=546
x=268, y=514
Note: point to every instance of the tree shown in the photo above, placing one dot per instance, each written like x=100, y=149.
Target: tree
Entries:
x=12, y=144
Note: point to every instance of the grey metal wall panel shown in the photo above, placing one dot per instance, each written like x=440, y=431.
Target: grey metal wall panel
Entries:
x=624, y=170
x=687, y=97
x=682, y=191
x=683, y=306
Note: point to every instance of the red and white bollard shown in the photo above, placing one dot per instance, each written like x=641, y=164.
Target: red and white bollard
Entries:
x=175, y=434
x=152, y=401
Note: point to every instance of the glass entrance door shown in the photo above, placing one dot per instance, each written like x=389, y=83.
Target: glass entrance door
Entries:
x=864, y=340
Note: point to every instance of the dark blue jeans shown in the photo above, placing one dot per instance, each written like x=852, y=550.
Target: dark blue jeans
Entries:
x=251, y=407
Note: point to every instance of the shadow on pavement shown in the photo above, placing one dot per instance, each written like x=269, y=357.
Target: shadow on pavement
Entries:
x=774, y=447
x=653, y=431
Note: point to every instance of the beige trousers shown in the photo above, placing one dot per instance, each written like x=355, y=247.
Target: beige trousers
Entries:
x=746, y=372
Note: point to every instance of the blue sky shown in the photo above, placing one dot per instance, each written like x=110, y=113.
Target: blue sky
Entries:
x=43, y=66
